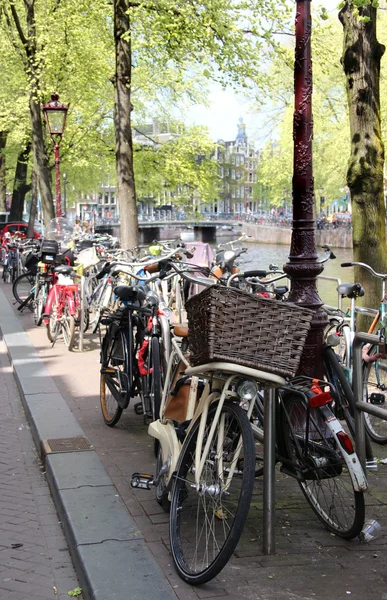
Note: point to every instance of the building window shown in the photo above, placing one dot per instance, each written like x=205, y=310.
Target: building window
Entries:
x=232, y=173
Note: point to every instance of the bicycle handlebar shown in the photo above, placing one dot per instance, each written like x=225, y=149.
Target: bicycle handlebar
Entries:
x=370, y=269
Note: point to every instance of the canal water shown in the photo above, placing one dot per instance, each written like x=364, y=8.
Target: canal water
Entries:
x=260, y=256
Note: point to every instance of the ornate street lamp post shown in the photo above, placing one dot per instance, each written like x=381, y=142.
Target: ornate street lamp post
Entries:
x=303, y=267
x=64, y=194
x=55, y=114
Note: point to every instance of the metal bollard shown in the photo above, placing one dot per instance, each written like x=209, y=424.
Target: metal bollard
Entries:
x=82, y=313
x=269, y=472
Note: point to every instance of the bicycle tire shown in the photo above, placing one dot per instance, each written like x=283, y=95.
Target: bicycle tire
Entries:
x=375, y=381
x=40, y=303
x=161, y=490
x=321, y=469
x=114, y=355
x=155, y=376
x=54, y=327
x=68, y=327
x=227, y=512
x=22, y=287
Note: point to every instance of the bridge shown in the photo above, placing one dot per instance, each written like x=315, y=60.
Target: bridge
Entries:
x=204, y=230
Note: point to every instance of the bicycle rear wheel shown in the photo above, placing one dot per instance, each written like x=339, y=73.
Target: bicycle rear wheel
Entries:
x=321, y=469
x=375, y=389
x=206, y=522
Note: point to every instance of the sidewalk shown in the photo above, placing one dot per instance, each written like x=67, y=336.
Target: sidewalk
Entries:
x=35, y=563
x=310, y=563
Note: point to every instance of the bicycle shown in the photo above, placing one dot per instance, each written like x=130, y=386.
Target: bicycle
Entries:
x=375, y=364
x=62, y=309
x=135, y=348
x=12, y=268
x=208, y=430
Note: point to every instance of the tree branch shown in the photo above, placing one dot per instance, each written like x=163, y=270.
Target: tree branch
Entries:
x=20, y=31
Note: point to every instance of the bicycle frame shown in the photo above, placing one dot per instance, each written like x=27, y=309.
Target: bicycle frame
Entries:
x=164, y=430
x=58, y=295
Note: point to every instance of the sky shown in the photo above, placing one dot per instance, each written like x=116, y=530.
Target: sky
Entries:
x=226, y=107
x=224, y=112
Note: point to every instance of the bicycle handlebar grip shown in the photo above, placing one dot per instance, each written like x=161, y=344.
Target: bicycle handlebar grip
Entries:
x=347, y=264
x=255, y=273
x=105, y=269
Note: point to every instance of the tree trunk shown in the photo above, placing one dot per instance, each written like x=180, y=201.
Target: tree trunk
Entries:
x=41, y=162
x=34, y=204
x=3, y=182
x=34, y=68
x=361, y=62
x=126, y=192
x=20, y=187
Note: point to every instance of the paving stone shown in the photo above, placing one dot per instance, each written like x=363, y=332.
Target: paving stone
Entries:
x=26, y=571
x=304, y=547
x=140, y=577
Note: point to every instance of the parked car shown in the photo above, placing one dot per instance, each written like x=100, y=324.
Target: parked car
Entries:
x=17, y=228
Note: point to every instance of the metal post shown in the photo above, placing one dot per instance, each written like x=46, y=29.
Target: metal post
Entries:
x=64, y=194
x=269, y=473
x=82, y=313
x=57, y=182
x=303, y=267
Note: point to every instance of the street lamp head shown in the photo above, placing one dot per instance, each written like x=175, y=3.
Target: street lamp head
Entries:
x=55, y=114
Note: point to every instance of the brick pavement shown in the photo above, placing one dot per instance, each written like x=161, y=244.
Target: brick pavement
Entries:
x=310, y=563
x=34, y=559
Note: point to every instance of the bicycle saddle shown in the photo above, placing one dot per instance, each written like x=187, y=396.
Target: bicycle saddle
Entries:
x=350, y=290
x=64, y=270
x=134, y=293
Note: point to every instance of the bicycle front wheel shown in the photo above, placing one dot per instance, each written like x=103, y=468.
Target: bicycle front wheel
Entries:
x=114, y=384
x=207, y=520
x=22, y=287
x=375, y=389
x=68, y=327
x=156, y=383
x=321, y=469
x=54, y=326
x=40, y=302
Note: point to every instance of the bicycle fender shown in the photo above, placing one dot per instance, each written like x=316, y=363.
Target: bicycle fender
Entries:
x=355, y=469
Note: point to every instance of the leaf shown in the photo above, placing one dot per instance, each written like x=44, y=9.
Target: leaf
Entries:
x=75, y=592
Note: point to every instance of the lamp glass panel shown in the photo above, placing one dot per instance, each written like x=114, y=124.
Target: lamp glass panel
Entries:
x=56, y=120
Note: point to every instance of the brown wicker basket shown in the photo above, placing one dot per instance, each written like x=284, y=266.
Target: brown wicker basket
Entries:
x=227, y=324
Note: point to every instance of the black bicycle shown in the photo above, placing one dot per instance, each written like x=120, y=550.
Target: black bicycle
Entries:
x=133, y=354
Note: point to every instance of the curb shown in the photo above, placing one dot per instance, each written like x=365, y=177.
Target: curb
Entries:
x=109, y=553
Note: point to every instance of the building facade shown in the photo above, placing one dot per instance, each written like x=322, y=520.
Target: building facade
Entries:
x=238, y=164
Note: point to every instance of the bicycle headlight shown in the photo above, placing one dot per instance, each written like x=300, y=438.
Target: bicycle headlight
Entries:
x=165, y=310
x=247, y=389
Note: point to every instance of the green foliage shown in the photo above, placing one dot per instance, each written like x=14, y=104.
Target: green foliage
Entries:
x=178, y=170
x=331, y=141
x=75, y=592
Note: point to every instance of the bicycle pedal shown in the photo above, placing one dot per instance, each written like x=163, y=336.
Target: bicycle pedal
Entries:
x=138, y=408
x=142, y=481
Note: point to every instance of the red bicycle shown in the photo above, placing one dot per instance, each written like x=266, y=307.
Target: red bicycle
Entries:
x=63, y=307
